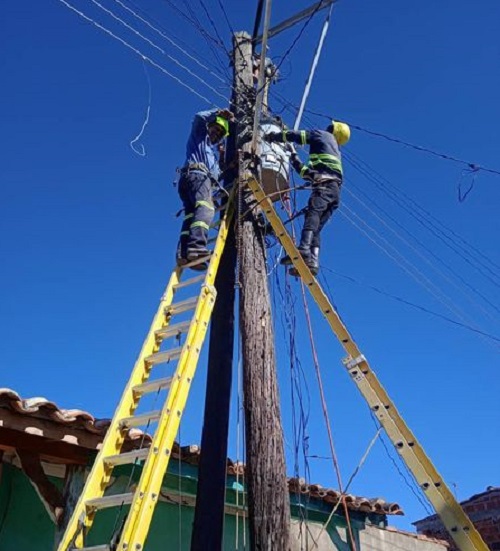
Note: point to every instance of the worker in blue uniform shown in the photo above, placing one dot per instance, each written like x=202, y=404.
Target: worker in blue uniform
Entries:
x=324, y=171
x=200, y=171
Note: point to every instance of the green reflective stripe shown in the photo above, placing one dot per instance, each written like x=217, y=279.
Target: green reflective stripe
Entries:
x=324, y=156
x=303, y=170
x=188, y=216
x=184, y=233
x=303, y=137
x=284, y=136
x=332, y=166
x=200, y=224
x=204, y=204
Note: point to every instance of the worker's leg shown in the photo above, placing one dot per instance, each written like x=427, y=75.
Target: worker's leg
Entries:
x=323, y=202
x=203, y=214
x=188, y=204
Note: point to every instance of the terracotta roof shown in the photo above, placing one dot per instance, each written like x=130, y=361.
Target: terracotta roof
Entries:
x=41, y=408
x=77, y=419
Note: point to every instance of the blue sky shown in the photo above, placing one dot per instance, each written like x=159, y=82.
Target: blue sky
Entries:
x=88, y=233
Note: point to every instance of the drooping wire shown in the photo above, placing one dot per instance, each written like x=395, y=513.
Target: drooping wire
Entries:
x=138, y=52
x=141, y=150
x=409, y=303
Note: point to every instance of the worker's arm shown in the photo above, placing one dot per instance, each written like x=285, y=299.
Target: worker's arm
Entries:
x=202, y=118
x=300, y=137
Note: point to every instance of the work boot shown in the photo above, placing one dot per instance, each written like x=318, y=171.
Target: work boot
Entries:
x=312, y=263
x=195, y=254
x=304, y=248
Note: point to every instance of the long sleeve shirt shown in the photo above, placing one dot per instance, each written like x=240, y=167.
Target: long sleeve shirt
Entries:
x=324, y=151
x=199, y=150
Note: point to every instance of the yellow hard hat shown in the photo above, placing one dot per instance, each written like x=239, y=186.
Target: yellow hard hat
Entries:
x=341, y=131
x=223, y=123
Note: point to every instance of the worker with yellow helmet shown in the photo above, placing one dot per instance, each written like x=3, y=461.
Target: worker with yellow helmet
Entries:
x=200, y=171
x=324, y=171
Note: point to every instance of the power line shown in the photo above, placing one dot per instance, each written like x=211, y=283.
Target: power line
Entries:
x=412, y=304
x=423, y=217
x=472, y=166
x=169, y=39
x=159, y=48
x=138, y=52
x=425, y=248
x=297, y=38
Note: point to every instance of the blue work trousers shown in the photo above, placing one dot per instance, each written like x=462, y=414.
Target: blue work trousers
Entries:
x=195, y=191
x=323, y=201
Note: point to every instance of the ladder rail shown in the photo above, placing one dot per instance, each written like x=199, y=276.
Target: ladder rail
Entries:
x=100, y=474
x=439, y=495
x=146, y=497
x=136, y=528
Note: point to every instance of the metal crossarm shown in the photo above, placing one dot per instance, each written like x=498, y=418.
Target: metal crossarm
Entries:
x=143, y=497
x=437, y=492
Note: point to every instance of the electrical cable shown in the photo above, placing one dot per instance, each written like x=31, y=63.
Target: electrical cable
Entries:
x=422, y=255
x=312, y=71
x=414, y=272
x=159, y=48
x=141, y=151
x=424, y=217
x=420, y=215
x=412, y=304
x=163, y=34
x=258, y=19
x=138, y=52
x=471, y=165
x=325, y=413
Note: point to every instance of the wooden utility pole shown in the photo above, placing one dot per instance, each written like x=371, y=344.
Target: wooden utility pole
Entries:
x=268, y=498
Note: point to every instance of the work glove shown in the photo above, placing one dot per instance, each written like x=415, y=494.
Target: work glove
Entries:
x=291, y=149
x=228, y=115
x=271, y=137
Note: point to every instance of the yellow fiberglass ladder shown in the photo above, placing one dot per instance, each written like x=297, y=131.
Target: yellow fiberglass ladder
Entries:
x=435, y=489
x=144, y=382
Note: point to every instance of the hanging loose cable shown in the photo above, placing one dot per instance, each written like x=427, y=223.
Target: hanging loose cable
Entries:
x=317, y=55
x=141, y=150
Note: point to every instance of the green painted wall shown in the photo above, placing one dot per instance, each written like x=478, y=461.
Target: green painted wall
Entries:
x=26, y=526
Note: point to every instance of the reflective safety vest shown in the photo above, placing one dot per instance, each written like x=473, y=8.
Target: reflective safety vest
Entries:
x=319, y=161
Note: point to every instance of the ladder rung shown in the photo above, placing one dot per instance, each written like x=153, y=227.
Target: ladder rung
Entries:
x=197, y=261
x=93, y=548
x=164, y=357
x=139, y=420
x=190, y=281
x=182, y=306
x=152, y=386
x=127, y=458
x=173, y=330
x=106, y=502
